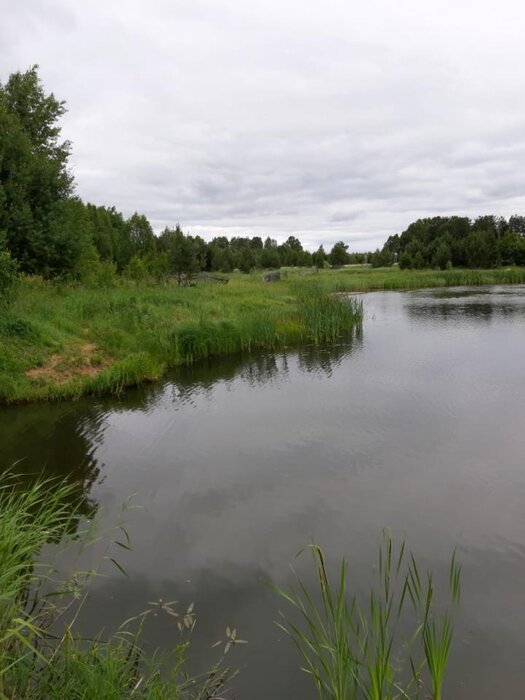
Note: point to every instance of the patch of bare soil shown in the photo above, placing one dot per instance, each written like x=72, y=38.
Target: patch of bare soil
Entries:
x=81, y=361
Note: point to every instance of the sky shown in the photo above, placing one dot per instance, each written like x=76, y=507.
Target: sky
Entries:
x=333, y=120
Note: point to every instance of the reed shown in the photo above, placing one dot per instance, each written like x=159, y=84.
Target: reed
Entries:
x=378, y=649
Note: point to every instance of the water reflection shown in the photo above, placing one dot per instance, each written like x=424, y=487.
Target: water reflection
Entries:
x=472, y=305
x=62, y=440
x=324, y=360
x=186, y=386
x=54, y=442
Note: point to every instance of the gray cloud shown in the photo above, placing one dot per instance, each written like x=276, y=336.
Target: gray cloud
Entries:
x=330, y=122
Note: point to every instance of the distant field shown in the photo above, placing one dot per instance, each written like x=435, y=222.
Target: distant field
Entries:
x=59, y=341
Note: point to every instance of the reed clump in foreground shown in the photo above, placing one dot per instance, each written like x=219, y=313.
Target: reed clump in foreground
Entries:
x=395, y=645
x=41, y=654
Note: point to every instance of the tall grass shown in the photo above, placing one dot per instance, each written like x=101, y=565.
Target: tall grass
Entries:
x=394, y=646
x=366, y=279
x=29, y=519
x=41, y=655
x=326, y=316
x=84, y=341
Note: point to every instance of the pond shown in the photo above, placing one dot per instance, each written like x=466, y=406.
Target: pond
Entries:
x=416, y=424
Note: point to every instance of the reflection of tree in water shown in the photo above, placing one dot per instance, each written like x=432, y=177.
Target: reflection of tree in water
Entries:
x=264, y=368
x=323, y=359
x=483, y=312
x=184, y=385
x=54, y=442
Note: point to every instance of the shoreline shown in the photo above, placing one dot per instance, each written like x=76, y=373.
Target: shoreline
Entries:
x=60, y=342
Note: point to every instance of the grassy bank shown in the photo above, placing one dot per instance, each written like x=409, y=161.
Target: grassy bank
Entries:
x=60, y=341
x=366, y=279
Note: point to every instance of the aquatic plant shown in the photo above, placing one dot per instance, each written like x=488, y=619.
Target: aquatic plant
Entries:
x=355, y=649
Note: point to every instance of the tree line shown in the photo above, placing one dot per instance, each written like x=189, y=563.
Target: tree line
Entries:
x=46, y=229
x=456, y=241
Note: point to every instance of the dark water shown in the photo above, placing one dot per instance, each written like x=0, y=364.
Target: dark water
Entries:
x=417, y=424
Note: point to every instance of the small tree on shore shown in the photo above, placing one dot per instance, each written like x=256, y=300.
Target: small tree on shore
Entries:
x=183, y=256
x=338, y=255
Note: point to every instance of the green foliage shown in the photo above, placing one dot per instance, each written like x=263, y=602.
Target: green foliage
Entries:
x=319, y=258
x=137, y=269
x=382, y=258
x=443, y=256
x=29, y=518
x=512, y=248
x=33, y=169
x=87, y=266
x=354, y=649
x=456, y=241
x=338, y=255
x=69, y=239
x=326, y=316
x=8, y=279
x=182, y=252
x=18, y=327
x=141, y=236
x=406, y=262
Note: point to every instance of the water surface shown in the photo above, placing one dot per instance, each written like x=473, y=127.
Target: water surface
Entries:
x=416, y=424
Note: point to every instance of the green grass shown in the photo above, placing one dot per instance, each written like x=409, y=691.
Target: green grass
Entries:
x=365, y=279
x=59, y=341
x=63, y=341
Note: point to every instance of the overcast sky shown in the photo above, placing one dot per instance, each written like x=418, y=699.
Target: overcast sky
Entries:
x=327, y=120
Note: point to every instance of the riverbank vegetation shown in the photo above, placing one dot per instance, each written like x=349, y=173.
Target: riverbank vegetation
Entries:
x=60, y=340
x=352, y=651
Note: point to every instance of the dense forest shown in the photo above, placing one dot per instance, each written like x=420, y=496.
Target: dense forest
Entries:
x=456, y=241
x=46, y=229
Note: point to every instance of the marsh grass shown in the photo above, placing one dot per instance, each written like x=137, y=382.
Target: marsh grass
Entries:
x=395, y=645
x=42, y=657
